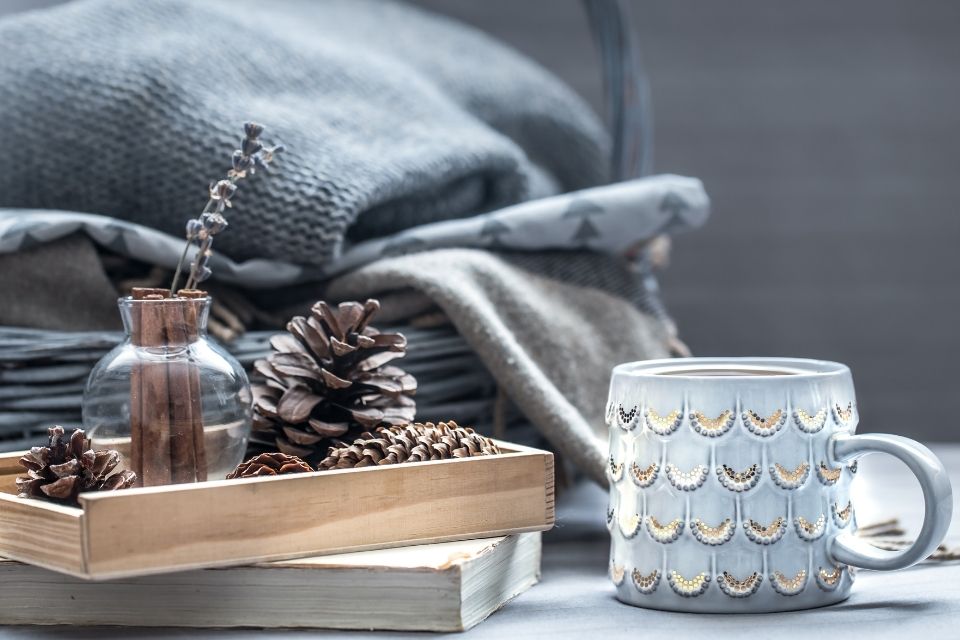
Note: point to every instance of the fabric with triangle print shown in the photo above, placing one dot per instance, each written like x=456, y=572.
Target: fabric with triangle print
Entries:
x=609, y=219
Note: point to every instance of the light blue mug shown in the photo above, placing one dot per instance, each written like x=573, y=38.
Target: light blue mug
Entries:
x=730, y=485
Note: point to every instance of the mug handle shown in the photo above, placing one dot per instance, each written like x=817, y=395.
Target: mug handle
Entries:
x=846, y=548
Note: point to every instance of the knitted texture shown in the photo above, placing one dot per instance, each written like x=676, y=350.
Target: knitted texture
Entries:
x=392, y=117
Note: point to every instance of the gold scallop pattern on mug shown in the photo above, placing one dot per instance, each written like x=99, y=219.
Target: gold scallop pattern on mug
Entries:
x=765, y=535
x=646, y=584
x=630, y=525
x=617, y=573
x=764, y=427
x=827, y=475
x=687, y=480
x=841, y=517
x=829, y=580
x=787, y=478
x=788, y=586
x=739, y=588
x=627, y=420
x=663, y=425
x=664, y=533
x=808, y=423
x=712, y=427
x=644, y=477
x=739, y=481
x=810, y=531
x=712, y=536
x=615, y=469
x=841, y=415
x=688, y=588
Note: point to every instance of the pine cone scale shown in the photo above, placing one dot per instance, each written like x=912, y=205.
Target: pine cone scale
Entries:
x=304, y=438
x=328, y=429
x=350, y=315
x=284, y=342
x=90, y=458
x=368, y=417
x=264, y=368
x=341, y=349
x=377, y=360
x=311, y=334
x=333, y=381
x=296, y=404
x=265, y=398
x=329, y=318
x=66, y=469
x=62, y=489
x=37, y=458
x=387, y=385
x=28, y=486
x=292, y=369
x=103, y=462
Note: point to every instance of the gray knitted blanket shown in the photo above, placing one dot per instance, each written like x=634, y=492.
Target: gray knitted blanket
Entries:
x=392, y=117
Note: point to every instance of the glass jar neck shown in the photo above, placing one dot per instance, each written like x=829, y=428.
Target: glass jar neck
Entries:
x=167, y=322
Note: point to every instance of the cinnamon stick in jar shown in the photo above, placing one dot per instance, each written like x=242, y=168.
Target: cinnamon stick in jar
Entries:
x=183, y=457
x=192, y=312
x=135, y=462
x=154, y=393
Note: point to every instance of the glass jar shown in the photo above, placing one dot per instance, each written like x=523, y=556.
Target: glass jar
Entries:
x=173, y=402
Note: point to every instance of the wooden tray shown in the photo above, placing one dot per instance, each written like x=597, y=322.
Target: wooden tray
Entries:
x=231, y=522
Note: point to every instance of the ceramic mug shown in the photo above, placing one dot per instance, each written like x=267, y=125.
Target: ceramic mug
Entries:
x=730, y=485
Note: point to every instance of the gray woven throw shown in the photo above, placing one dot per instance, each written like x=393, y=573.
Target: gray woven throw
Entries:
x=392, y=117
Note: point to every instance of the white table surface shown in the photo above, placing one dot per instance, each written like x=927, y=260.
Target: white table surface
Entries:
x=575, y=598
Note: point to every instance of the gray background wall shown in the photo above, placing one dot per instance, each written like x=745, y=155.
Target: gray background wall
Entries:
x=827, y=134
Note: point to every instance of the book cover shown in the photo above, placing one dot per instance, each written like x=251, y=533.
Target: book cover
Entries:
x=448, y=586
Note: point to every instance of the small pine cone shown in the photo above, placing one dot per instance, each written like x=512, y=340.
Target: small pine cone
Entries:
x=410, y=443
x=67, y=467
x=269, y=464
x=327, y=377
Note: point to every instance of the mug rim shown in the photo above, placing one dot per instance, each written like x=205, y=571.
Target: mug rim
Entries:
x=766, y=369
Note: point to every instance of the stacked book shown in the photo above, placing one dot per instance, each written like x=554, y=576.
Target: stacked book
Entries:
x=448, y=586
x=436, y=545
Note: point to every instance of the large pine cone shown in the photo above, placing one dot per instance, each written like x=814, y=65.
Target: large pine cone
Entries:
x=327, y=377
x=410, y=443
x=269, y=464
x=65, y=468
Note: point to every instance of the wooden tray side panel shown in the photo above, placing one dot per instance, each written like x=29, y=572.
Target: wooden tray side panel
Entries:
x=43, y=534
x=8, y=484
x=162, y=529
x=9, y=470
x=10, y=462
x=550, y=489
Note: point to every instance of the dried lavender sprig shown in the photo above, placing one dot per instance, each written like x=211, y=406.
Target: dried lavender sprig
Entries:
x=186, y=248
x=203, y=229
x=245, y=161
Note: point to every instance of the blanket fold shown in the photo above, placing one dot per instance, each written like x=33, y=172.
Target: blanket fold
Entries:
x=549, y=345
